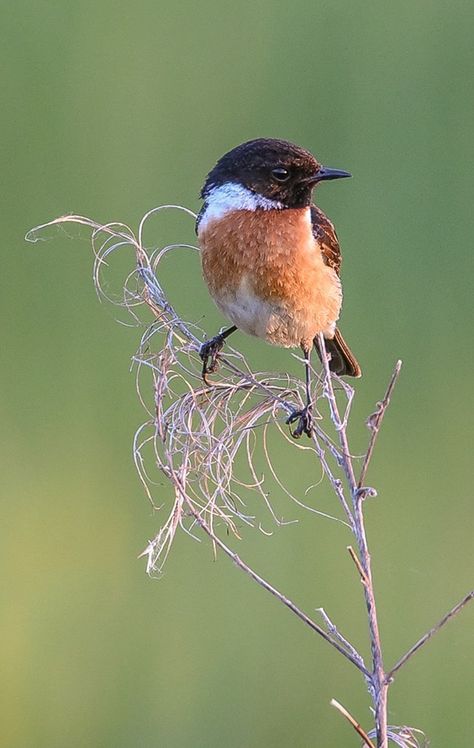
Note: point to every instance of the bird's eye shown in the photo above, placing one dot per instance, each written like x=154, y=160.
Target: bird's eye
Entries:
x=280, y=174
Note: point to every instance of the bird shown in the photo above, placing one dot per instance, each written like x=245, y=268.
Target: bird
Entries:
x=271, y=258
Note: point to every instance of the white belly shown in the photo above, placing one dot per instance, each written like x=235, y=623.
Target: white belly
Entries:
x=272, y=320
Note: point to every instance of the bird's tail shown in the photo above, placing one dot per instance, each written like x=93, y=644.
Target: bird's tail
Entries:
x=343, y=361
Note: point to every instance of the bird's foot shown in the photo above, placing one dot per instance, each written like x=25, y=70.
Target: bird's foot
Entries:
x=305, y=422
x=209, y=354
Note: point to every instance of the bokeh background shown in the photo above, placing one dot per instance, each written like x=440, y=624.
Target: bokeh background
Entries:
x=109, y=109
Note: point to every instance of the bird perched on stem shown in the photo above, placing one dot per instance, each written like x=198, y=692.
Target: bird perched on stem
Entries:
x=271, y=258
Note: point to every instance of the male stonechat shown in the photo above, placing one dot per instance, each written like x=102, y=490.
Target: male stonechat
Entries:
x=271, y=258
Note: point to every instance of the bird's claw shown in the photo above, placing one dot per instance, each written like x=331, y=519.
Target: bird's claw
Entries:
x=209, y=354
x=305, y=422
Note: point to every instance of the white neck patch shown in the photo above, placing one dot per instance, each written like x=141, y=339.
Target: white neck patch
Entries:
x=232, y=196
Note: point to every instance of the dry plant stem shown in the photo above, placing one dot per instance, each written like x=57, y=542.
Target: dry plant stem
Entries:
x=378, y=681
x=350, y=654
x=334, y=631
x=424, y=639
x=374, y=422
x=359, y=730
x=358, y=565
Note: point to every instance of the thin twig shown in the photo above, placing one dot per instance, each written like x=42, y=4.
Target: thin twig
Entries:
x=336, y=418
x=374, y=422
x=355, y=659
x=424, y=639
x=335, y=482
x=334, y=631
x=359, y=730
x=379, y=686
x=355, y=558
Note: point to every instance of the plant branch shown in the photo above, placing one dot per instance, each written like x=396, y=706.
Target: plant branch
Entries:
x=358, y=565
x=379, y=686
x=429, y=634
x=334, y=631
x=374, y=421
x=352, y=655
x=359, y=730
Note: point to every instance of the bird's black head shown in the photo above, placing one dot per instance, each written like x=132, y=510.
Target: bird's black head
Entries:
x=275, y=169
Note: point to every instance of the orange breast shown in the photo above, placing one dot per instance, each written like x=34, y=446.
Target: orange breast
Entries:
x=266, y=273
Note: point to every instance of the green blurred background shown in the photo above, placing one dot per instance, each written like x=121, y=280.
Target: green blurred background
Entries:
x=109, y=109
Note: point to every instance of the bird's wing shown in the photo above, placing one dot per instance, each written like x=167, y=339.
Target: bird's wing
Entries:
x=325, y=235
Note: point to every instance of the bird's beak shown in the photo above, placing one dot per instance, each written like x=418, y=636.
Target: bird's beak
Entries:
x=326, y=173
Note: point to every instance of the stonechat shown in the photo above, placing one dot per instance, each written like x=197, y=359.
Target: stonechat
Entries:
x=270, y=257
